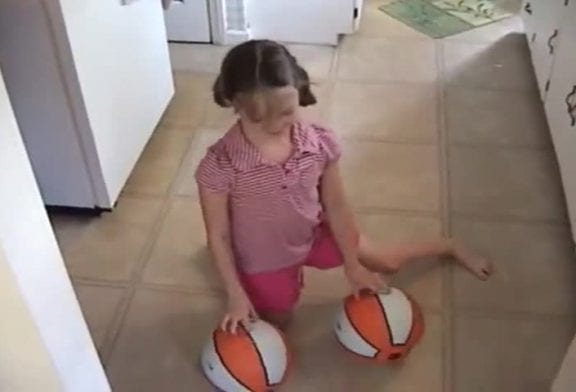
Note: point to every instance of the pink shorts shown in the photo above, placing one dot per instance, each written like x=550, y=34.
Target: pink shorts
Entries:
x=279, y=290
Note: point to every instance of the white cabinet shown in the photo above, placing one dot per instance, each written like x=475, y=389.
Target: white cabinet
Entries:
x=188, y=21
x=89, y=81
x=303, y=21
x=551, y=32
x=561, y=107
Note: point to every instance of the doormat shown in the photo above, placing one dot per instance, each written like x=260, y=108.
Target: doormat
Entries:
x=442, y=18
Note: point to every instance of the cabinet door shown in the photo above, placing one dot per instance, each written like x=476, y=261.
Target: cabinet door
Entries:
x=121, y=58
x=303, y=21
x=187, y=21
x=544, y=38
x=561, y=107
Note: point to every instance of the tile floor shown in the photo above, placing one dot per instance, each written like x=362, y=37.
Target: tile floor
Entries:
x=450, y=139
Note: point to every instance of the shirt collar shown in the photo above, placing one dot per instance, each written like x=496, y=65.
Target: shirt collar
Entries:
x=244, y=155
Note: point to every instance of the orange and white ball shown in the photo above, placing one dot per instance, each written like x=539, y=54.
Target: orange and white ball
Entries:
x=380, y=327
x=255, y=359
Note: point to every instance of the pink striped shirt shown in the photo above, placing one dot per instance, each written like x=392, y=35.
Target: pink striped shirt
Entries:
x=274, y=208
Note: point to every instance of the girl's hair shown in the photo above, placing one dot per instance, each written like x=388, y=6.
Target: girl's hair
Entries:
x=260, y=64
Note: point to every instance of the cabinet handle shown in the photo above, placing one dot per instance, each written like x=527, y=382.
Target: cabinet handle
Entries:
x=551, y=41
x=528, y=8
x=571, y=104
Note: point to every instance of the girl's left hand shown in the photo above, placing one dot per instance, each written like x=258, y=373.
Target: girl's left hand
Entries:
x=361, y=278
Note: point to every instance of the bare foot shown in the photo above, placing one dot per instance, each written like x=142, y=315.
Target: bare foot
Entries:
x=477, y=265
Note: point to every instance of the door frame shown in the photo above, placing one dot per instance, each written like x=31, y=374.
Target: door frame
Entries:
x=221, y=35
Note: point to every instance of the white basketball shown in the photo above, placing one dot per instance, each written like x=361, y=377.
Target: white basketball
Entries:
x=379, y=327
x=255, y=359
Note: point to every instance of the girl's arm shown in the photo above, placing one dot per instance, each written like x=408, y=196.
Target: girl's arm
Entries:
x=338, y=213
x=343, y=226
x=216, y=219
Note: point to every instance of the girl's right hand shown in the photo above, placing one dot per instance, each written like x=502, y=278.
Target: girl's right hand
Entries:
x=240, y=310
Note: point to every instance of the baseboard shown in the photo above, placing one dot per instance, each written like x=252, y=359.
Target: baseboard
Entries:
x=76, y=211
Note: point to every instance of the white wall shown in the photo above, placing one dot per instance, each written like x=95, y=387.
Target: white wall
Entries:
x=44, y=342
x=21, y=345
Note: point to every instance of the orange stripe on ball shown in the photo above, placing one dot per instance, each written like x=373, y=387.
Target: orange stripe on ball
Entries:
x=368, y=319
x=240, y=357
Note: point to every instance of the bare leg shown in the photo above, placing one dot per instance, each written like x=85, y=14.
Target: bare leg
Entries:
x=389, y=260
x=279, y=319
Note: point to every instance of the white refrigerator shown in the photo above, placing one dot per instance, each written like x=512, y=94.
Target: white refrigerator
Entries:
x=89, y=81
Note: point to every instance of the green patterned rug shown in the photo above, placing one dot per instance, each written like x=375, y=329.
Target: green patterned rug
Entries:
x=441, y=18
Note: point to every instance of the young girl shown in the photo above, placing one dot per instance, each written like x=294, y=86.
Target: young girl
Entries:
x=273, y=199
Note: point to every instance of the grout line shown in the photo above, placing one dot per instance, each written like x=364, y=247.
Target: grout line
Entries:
x=492, y=89
x=510, y=314
x=115, y=328
x=80, y=281
x=384, y=82
x=397, y=212
x=135, y=194
x=334, y=63
x=146, y=251
x=172, y=188
x=356, y=210
x=167, y=288
x=335, y=66
x=445, y=207
x=390, y=141
x=509, y=219
x=548, y=148
x=134, y=284
x=467, y=311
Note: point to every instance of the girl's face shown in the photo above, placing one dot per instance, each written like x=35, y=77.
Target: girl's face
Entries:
x=275, y=110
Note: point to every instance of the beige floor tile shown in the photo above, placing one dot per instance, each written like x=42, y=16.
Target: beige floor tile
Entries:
x=423, y=280
x=376, y=23
x=159, y=163
x=519, y=183
x=185, y=184
x=503, y=65
x=383, y=59
x=180, y=256
x=393, y=176
x=188, y=105
x=511, y=28
x=107, y=247
x=536, y=268
x=508, y=355
x=197, y=57
x=505, y=118
x=316, y=60
x=100, y=306
x=159, y=347
x=388, y=112
x=322, y=365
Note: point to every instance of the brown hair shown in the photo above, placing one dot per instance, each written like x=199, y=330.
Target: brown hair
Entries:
x=258, y=64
